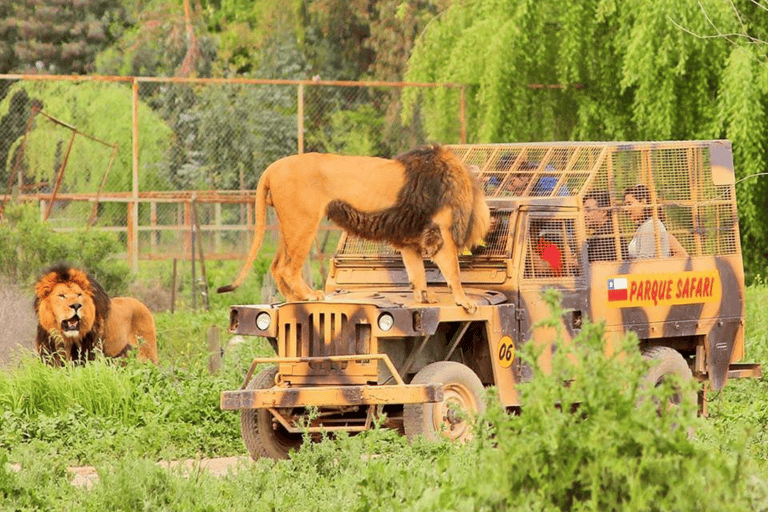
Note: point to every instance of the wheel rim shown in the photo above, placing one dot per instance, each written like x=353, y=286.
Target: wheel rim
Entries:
x=450, y=416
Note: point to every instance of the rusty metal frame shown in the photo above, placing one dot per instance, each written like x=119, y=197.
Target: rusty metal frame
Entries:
x=363, y=357
x=319, y=396
x=277, y=415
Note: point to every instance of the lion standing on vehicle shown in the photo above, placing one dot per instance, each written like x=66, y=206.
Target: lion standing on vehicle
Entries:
x=424, y=202
x=76, y=318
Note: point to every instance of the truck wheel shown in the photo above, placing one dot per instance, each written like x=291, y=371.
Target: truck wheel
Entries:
x=262, y=436
x=671, y=362
x=450, y=418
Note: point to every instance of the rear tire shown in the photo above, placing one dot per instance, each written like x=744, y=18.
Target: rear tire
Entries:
x=262, y=435
x=451, y=418
x=670, y=362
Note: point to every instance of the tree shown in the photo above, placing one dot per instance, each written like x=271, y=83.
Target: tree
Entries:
x=157, y=43
x=57, y=36
x=101, y=110
x=394, y=27
x=607, y=70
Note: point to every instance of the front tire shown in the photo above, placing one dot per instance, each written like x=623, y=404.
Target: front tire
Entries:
x=451, y=418
x=264, y=437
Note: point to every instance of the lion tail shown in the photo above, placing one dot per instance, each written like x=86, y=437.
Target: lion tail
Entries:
x=260, y=210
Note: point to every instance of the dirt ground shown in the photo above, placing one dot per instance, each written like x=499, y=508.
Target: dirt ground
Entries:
x=86, y=476
x=17, y=316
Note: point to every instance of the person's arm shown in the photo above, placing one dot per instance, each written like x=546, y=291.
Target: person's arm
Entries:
x=676, y=249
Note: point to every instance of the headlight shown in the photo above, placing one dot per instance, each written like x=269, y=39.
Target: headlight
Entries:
x=263, y=320
x=386, y=322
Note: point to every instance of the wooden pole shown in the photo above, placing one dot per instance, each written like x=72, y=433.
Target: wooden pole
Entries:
x=60, y=175
x=216, y=351
x=95, y=209
x=202, y=256
x=192, y=254
x=173, y=287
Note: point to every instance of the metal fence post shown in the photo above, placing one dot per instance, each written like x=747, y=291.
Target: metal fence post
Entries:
x=300, y=115
x=462, y=116
x=133, y=247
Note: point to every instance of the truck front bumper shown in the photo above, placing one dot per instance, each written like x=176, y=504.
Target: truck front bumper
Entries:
x=330, y=395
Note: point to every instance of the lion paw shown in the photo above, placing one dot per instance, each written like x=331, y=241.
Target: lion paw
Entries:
x=469, y=306
x=315, y=295
x=425, y=296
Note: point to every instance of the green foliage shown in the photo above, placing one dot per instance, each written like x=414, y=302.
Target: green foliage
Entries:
x=248, y=30
x=605, y=446
x=50, y=37
x=354, y=132
x=633, y=70
x=229, y=135
x=101, y=110
x=28, y=246
x=185, y=333
x=597, y=443
x=155, y=43
x=101, y=410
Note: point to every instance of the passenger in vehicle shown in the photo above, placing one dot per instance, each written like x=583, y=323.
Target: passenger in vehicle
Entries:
x=549, y=253
x=518, y=183
x=553, y=249
x=601, y=245
x=637, y=199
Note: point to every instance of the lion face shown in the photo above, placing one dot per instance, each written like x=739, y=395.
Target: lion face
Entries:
x=67, y=308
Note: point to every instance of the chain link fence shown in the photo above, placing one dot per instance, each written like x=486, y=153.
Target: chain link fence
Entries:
x=170, y=164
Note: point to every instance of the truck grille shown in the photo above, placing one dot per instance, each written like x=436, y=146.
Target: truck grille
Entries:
x=314, y=330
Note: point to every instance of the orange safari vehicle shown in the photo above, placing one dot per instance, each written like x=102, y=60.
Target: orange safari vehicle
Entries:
x=643, y=236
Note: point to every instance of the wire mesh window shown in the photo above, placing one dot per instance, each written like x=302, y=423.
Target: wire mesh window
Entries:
x=530, y=171
x=351, y=245
x=496, y=243
x=685, y=212
x=551, y=250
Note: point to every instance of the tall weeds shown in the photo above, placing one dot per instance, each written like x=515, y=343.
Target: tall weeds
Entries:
x=589, y=438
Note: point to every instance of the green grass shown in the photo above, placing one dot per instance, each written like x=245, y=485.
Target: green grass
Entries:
x=614, y=453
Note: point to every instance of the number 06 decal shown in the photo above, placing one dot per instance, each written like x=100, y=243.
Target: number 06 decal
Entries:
x=506, y=352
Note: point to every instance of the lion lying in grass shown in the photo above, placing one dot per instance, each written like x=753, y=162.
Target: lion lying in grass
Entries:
x=424, y=202
x=76, y=318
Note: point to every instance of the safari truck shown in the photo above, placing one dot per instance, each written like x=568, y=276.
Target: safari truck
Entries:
x=643, y=236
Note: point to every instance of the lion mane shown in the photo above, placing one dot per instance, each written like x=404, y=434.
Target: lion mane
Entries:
x=425, y=202
x=76, y=319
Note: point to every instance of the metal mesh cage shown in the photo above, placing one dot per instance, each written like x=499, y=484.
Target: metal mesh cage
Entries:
x=496, y=242
x=693, y=214
x=518, y=170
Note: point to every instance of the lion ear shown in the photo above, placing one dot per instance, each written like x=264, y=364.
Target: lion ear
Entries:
x=44, y=286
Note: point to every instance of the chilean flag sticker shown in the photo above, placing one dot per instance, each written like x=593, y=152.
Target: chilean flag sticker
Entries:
x=617, y=288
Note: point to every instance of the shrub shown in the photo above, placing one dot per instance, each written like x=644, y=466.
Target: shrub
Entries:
x=28, y=246
x=600, y=442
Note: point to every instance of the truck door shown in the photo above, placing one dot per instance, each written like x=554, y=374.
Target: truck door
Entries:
x=549, y=258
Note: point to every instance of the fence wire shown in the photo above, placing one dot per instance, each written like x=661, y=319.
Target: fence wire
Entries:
x=89, y=149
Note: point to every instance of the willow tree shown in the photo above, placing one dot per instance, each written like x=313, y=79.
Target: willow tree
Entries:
x=609, y=70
